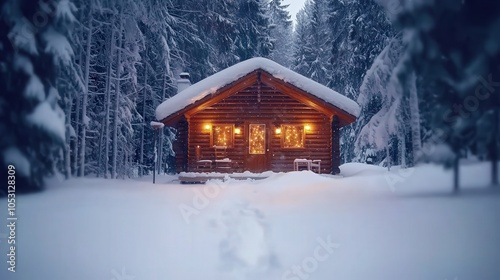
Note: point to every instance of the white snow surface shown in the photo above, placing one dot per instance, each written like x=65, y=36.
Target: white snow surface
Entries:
x=220, y=79
x=367, y=223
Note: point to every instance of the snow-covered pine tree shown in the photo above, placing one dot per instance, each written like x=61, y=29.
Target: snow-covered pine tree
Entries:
x=130, y=44
x=281, y=33
x=462, y=65
x=163, y=50
x=71, y=87
x=360, y=30
x=301, y=50
x=340, y=40
x=319, y=43
x=147, y=19
x=252, y=29
x=383, y=105
x=86, y=80
x=190, y=30
x=311, y=45
x=33, y=124
x=338, y=27
x=218, y=24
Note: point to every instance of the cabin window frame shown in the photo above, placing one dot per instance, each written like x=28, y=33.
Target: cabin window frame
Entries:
x=283, y=136
x=212, y=134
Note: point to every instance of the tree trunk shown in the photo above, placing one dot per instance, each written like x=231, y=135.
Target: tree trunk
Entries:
x=388, y=157
x=85, y=94
x=99, y=156
x=415, y=119
x=143, y=126
x=161, y=140
x=335, y=146
x=117, y=98
x=67, y=145
x=456, y=174
x=494, y=147
x=109, y=73
x=403, y=149
x=77, y=130
x=77, y=101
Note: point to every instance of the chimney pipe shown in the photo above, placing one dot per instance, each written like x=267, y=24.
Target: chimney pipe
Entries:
x=184, y=82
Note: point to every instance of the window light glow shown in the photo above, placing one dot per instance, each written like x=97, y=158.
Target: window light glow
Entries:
x=223, y=135
x=257, y=139
x=293, y=136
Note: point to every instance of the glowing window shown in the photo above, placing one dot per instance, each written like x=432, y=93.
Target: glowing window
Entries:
x=293, y=136
x=222, y=135
x=257, y=139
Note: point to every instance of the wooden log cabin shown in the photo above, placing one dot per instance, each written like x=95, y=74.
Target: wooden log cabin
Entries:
x=261, y=116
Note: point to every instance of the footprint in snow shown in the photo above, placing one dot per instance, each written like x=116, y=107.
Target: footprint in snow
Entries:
x=245, y=249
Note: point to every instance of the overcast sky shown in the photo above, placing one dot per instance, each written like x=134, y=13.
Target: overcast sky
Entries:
x=295, y=6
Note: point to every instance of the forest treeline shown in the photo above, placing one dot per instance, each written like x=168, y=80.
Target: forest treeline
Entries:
x=81, y=79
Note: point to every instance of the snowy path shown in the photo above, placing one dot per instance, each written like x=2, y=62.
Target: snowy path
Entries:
x=290, y=226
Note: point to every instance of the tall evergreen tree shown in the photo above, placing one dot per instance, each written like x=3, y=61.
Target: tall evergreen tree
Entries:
x=301, y=49
x=280, y=33
x=33, y=123
x=336, y=42
x=385, y=110
x=362, y=30
x=458, y=52
x=252, y=29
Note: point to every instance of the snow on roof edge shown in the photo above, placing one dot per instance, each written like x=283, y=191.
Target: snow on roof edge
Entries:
x=212, y=84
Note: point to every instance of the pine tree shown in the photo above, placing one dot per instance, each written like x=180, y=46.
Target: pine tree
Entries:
x=280, y=33
x=33, y=124
x=301, y=35
x=252, y=29
x=360, y=31
x=336, y=42
x=461, y=64
x=381, y=102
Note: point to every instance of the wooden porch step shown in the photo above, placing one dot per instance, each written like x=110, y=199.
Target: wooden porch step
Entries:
x=203, y=178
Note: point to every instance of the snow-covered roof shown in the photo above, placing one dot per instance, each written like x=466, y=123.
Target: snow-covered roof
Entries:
x=212, y=84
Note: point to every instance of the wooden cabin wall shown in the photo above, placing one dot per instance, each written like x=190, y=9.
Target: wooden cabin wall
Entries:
x=274, y=108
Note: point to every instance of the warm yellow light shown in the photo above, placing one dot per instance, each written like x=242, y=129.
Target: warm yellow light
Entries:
x=278, y=130
x=207, y=126
x=237, y=130
x=307, y=127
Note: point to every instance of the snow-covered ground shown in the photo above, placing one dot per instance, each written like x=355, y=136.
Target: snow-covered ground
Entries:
x=368, y=224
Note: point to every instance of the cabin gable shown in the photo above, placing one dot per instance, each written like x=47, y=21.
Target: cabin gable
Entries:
x=262, y=77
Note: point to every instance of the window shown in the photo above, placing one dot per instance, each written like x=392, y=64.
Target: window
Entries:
x=293, y=136
x=257, y=139
x=222, y=135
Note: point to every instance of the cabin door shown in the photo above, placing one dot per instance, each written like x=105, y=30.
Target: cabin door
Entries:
x=257, y=154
